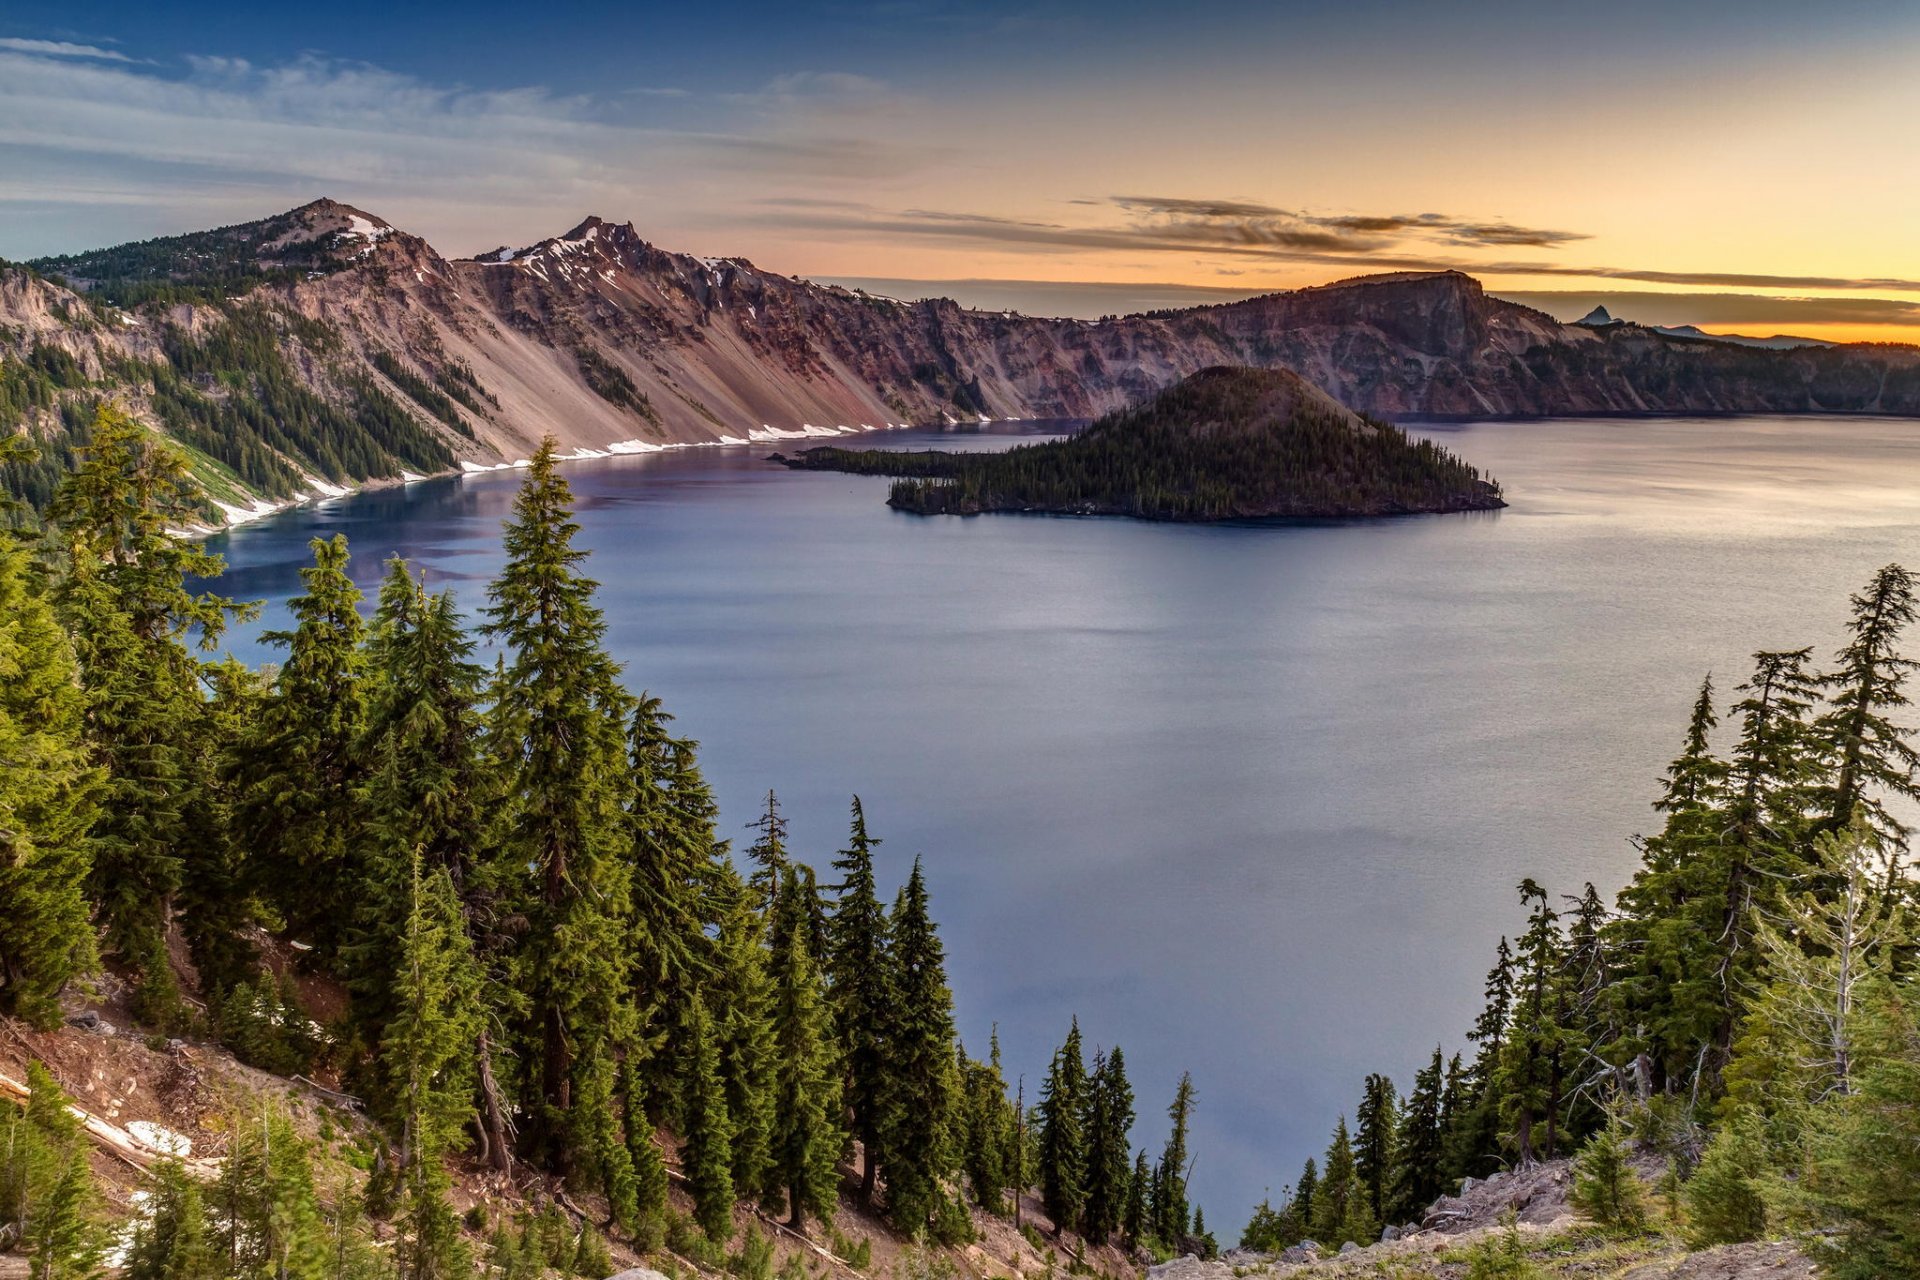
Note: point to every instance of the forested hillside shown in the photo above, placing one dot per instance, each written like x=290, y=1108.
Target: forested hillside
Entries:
x=490, y=901
x=1747, y=1011
x=1223, y=444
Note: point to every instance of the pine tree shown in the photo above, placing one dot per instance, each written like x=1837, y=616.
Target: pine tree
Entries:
x=47, y=1197
x=1531, y=1075
x=806, y=1136
x=857, y=970
x=1062, y=1140
x=742, y=997
x=1133, y=1218
x=1376, y=1142
x=1725, y=1200
x=917, y=1146
x=48, y=794
x=267, y=1217
x=1170, y=1206
x=1872, y=754
x=1473, y=1137
x=1306, y=1195
x=300, y=767
x=427, y=795
x=1605, y=1186
x=1822, y=946
x=214, y=907
x=650, y=1179
x=126, y=603
x=427, y=1061
x=986, y=1127
x=557, y=729
x=768, y=853
x=174, y=1242
x=1420, y=1158
x=1108, y=1123
x=1339, y=1198
x=708, y=1154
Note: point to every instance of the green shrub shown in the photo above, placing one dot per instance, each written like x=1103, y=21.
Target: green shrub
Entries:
x=1724, y=1201
x=1605, y=1186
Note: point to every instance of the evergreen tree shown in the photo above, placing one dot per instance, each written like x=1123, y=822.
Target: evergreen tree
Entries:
x=1133, y=1218
x=267, y=1219
x=857, y=971
x=1531, y=1076
x=987, y=1127
x=708, y=1154
x=743, y=997
x=650, y=1179
x=174, y=1241
x=806, y=1136
x=1376, y=1142
x=1170, y=1206
x=1871, y=754
x=768, y=853
x=215, y=906
x=1062, y=1140
x=300, y=769
x=1306, y=1195
x=1109, y=1122
x=47, y=1197
x=427, y=1056
x=126, y=603
x=427, y=795
x=1420, y=1159
x=1605, y=1186
x=917, y=1145
x=1725, y=1200
x=557, y=721
x=1473, y=1136
x=48, y=794
x=1340, y=1198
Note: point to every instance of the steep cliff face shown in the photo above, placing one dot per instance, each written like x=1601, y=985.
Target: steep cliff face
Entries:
x=325, y=347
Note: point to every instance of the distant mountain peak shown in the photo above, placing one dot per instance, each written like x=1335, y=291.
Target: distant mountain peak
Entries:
x=1598, y=318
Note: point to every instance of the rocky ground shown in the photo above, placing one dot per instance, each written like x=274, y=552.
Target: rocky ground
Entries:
x=1524, y=1215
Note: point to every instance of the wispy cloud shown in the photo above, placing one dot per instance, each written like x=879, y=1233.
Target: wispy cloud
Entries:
x=1242, y=229
x=188, y=136
x=61, y=49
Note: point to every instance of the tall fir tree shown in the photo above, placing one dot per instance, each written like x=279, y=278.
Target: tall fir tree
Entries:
x=1340, y=1210
x=1133, y=1217
x=1108, y=1125
x=768, y=852
x=806, y=1136
x=742, y=997
x=427, y=1057
x=917, y=1099
x=1473, y=1133
x=48, y=798
x=1420, y=1158
x=707, y=1153
x=127, y=603
x=1376, y=1141
x=858, y=970
x=1532, y=1070
x=1867, y=686
x=557, y=733
x=1062, y=1139
x=300, y=769
x=1170, y=1205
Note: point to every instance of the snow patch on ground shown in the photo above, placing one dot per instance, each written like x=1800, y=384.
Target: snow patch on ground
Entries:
x=161, y=1139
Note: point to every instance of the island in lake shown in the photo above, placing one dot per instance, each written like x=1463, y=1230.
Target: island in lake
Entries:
x=1224, y=444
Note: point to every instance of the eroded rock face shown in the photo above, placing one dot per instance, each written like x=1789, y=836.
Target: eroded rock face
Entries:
x=600, y=338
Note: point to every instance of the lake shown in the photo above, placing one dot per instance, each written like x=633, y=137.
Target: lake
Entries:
x=1249, y=800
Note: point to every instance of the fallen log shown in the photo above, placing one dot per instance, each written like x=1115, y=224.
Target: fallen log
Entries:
x=116, y=1141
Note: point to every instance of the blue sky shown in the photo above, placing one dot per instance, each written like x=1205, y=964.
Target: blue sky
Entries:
x=1764, y=147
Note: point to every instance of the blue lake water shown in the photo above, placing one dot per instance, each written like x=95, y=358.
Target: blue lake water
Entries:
x=1250, y=801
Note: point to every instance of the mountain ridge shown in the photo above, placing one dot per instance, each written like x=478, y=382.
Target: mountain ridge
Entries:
x=331, y=319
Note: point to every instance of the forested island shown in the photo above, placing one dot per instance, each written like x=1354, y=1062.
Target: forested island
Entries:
x=1224, y=444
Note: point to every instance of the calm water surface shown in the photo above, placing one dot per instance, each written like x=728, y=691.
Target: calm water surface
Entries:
x=1250, y=801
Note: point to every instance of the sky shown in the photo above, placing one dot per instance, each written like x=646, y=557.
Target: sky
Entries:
x=1752, y=167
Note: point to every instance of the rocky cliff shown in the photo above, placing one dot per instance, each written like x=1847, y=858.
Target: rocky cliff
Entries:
x=324, y=347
